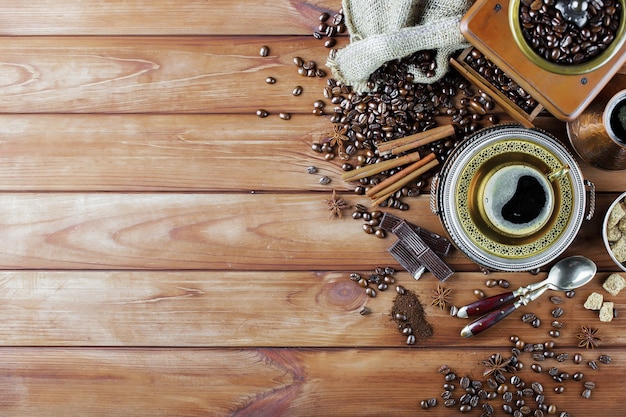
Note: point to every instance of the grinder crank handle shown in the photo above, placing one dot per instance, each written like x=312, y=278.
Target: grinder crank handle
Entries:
x=483, y=323
x=485, y=305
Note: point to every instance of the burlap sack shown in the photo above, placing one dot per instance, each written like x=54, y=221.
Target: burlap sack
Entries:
x=384, y=30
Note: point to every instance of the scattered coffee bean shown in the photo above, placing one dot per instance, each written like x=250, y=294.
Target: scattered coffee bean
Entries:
x=578, y=376
x=528, y=317
x=554, y=333
x=577, y=358
x=491, y=283
x=454, y=310
x=285, y=116
x=570, y=293
x=262, y=113
x=559, y=389
x=365, y=311
x=586, y=393
x=536, y=367
x=264, y=51
x=503, y=283
x=556, y=299
x=606, y=359
x=297, y=90
x=410, y=340
x=557, y=312
x=270, y=80
x=479, y=293
x=557, y=324
x=589, y=385
x=593, y=365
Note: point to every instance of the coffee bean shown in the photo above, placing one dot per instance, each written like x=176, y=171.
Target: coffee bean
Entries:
x=264, y=51
x=285, y=116
x=365, y=311
x=536, y=367
x=586, y=393
x=559, y=389
x=556, y=299
x=570, y=294
x=557, y=312
x=410, y=340
x=589, y=385
x=491, y=283
x=606, y=359
x=554, y=333
x=593, y=365
x=503, y=283
x=297, y=91
x=528, y=317
x=577, y=358
x=262, y=113
x=578, y=376
x=270, y=80
x=479, y=293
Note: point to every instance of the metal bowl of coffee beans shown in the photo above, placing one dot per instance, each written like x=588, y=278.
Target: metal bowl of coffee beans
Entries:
x=568, y=36
x=614, y=231
x=511, y=198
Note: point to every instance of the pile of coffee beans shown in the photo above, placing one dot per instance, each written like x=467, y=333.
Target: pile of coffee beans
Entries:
x=396, y=107
x=557, y=40
x=379, y=280
x=329, y=27
x=513, y=394
x=371, y=219
x=499, y=80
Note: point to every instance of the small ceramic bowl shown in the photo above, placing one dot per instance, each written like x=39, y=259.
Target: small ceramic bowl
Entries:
x=612, y=244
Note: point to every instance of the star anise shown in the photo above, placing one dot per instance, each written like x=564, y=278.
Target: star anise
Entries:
x=336, y=205
x=441, y=296
x=496, y=364
x=338, y=137
x=588, y=338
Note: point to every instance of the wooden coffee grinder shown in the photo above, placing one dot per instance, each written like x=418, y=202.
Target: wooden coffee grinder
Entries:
x=565, y=89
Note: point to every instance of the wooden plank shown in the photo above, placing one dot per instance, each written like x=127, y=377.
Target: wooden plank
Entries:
x=156, y=74
x=241, y=153
x=164, y=17
x=210, y=231
x=162, y=153
x=264, y=308
x=263, y=382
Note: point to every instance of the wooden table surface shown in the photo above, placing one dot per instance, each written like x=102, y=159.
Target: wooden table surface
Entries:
x=164, y=251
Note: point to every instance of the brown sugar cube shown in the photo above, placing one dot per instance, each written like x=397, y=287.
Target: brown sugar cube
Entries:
x=614, y=284
x=613, y=234
x=619, y=249
x=616, y=215
x=594, y=301
x=606, y=311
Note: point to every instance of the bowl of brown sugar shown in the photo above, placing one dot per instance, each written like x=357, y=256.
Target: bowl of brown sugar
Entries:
x=614, y=231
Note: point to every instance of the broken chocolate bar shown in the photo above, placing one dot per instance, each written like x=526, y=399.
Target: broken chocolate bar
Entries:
x=437, y=243
x=421, y=252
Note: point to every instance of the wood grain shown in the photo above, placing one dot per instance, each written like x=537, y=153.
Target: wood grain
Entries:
x=210, y=231
x=259, y=309
x=259, y=382
x=163, y=17
x=156, y=74
x=165, y=253
x=146, y=152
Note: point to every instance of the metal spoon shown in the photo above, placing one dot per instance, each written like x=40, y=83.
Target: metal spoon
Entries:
x=565, y=275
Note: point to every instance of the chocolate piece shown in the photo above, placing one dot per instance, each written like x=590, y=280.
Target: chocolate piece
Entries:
x=407, y=259
x=437, y=243
x=424, y=255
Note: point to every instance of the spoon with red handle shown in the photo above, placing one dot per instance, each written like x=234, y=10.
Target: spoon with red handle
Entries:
x=565, y=275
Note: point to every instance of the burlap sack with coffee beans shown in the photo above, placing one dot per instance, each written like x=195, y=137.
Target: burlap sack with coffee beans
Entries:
x=385, y=30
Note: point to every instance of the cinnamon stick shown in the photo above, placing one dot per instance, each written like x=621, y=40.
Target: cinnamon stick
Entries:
x=399, y=175
x=384, y=194
x=369, y=170
x=414, y=141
